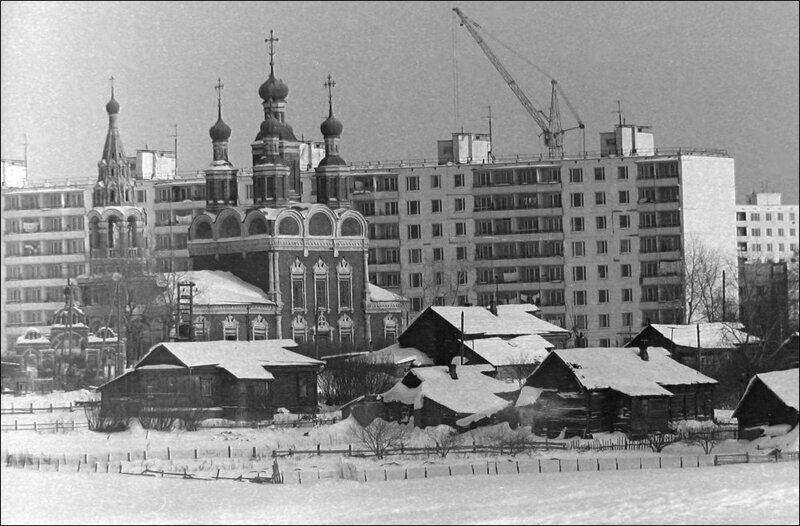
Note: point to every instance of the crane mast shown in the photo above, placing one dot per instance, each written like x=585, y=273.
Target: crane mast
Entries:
x=552, y=133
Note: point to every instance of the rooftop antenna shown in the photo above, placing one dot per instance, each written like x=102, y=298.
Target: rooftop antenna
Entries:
x=619, y=111
x=491, y=153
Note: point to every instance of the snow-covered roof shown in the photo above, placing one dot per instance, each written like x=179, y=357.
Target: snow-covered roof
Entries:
x=377, y=293
x=32, y=335
x=785, y=385
x=217, y=287
x=471, y=392
x=243, y=359
x=399, y=355
x=716, y=335
x=506, y=309
x=621, y=369
x=522, y=350
x=479, y=320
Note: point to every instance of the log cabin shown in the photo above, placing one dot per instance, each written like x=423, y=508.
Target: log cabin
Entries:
x=592, y=390
x=231, y=379
x=770, y=399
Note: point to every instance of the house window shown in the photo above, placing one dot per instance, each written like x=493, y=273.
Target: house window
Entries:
x=578, y=248
x=299, y=327
x=462, y=277
x=578, y=273
x=624, y=221
x=436, y=206
x=390, y=328
x=413, y=231
x=460, y=204
x=601, y=222
x=622, y=172
x=461, y=253
x=625, y=270
x=580, y=297
x=602, y=271
x=230, y=328
x=627, y=319
x=415, y=280
x=416, y=304
x=603, y=322
x=576, y=200
x=577, y=224
x=345, y=279
x=200, y=328
x=412, y=183
x=436, y=181
x=345, y=328
x=298, y=272
x=581, y=321
x=627, y=295
x=602, y=296
x=461, y=228
x=458, y=180
x=576, y=175
x=412, y=208
x=602, y=247
x=438, y=253
x=624, y=246
x=599, y=198
x=415, y=255
x=436, y=230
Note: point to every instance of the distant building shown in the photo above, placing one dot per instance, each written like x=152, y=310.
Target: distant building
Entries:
x=766, y=229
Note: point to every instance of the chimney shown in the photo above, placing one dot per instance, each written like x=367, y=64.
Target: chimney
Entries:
x=643, y=350
x=452, y=370
x=493, y=307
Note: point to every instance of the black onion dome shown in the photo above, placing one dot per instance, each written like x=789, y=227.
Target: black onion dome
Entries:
x=332, y=160
x=112, y=107
x=332, y=127
x=270, y=127
x=273, y=89
x=220, y=131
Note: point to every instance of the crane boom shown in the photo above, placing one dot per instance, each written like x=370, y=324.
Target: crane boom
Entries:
x=551, y=126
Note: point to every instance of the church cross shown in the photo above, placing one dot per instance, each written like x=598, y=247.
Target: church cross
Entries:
x=271, y=40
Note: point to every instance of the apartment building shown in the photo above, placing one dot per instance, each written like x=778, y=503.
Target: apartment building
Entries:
x=766, y=229
x=597, y=240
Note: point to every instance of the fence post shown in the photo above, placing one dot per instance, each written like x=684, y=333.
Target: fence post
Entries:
x=640, y=462
x=73, y=425
x=698, y=460
x=426, y=471
x=129, y=456
x=402, y=449
x=474, y=447
x=681, y=457
x=229, y=451
x=559, y=465
x=169, y=454
x=540, y=465
x=79, y=466
x=517, y=466
x=31, y=409
x=34, y=424
x=320, y=453
x=577, y=464
x=349, y=450
x=56, y=426
x=70, y=407
x=145, y=454
x=51, y=408
x=616, y=464
x=57, y=465
x=218, y=473
x=385, y=476
x=95, y=467
x=255, y=455
x=120, y=466
x=746, y=457
x=598, y=464
x=195, y=454
x=16, y=426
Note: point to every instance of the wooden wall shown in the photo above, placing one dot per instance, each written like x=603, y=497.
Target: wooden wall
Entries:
x=762, y=407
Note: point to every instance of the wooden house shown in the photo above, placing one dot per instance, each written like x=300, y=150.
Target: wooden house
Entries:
x=438, y=333
x=593, y=390
x=454, y=395
x=239, y=378
x=701, y=346
x=770, y=399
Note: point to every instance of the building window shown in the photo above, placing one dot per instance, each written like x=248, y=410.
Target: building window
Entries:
x=599, y=198
x=578, y=248
x=576, y=175
x=201, y=329
x=769, y=232
x=577, y=224
x=412, y=183
x=603, y=323
x=415, y=255
x=436, y=206
x=460, y=204
x=741, y=231
x=344, y=276
x=436, y=230
x=622, y=172
x=412, y=208
x=458, y=180
x=601, y=223
x=298, y=273
x=602, y=247
x=299, y=327
x=624, y=221
x=576, y=200
x=416, y=304
x=627, y=319
x=461, y=253
x=602, y=271
x=627, y=295
x=755, y=217
x=415, y=280
x=390, y=208
x=321, y=300
x=625, y=270
x=578, y=273
x=624, y=246
x=436, y=181
x=580, y=297
x=602, y=296
x=345, y=324
x=438, y=253
x=461, y=228
x=624, y=197
x=413, y=231
x=462, y=277
x=599, y=173
x=230, y=328
x=741, y=216
x=258, y=328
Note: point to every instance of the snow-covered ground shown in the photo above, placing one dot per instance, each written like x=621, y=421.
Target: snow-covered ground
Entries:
x=734, y=494
x=739, y=494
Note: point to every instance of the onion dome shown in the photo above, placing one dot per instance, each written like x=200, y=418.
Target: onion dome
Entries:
x=112, y=108
x=331, y=127
x=273, y=89
x=270, y=127
x=220, y=131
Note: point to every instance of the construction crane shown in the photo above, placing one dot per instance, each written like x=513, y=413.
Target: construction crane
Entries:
x=552, y=132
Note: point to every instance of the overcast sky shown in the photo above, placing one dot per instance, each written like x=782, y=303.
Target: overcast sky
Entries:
x=714, y=75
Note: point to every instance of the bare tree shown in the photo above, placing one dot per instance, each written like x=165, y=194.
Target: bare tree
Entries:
x=519, y=367
x=379, y=435
x=703, y=292
x=444, y=439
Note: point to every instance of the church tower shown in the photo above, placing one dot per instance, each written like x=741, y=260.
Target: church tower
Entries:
x=114, y=184
x=332, y=173
x=221, y=175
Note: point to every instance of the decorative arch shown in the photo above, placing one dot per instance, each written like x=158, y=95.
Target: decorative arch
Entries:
x=201, y=327
x=259, y=329
x=203, y=230
x=299, y=328
x=320, y=224
x=297, y=271
x=352, y=224
x=289, y=226
x=345, y=324
x=256, y=225
x=230, y=328
x=230, y=226
x=390, y=327
x=344, y=281
x=321, y=299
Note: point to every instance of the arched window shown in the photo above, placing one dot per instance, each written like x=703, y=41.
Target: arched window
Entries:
x=320, y=225
x=351, y=227
x=258, y=328
x=298, y=273
x=288, y=227
x=323, y=330
x=257, y=226
x=344, y=274
x=203, y=231
x=230, y=328
x=230, y=227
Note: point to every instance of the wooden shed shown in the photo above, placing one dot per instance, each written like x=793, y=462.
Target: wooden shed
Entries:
x=770, y=399
x=593, y=390
x=244, y=379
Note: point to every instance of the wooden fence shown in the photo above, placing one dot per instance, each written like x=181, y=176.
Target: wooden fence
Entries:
x=23, y=410
x=44, y=426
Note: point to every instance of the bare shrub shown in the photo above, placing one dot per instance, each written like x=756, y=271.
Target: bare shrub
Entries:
x=503, y=436
x=658, y=440
x=700, y=433
x=190, y=419
x=106, y=418
x=379, y=435
x=345, y=380
x=157, y=418
x=444, y=439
